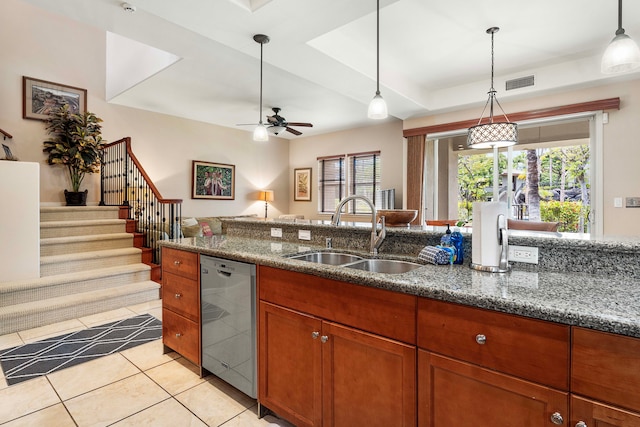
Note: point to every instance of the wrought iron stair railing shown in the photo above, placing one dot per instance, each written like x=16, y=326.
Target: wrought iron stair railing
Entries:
x=124, y=182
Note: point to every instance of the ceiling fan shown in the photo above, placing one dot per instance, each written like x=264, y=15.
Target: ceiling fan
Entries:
x=279, y=123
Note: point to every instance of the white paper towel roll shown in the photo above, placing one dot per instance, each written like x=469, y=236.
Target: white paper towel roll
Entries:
x=485, y=244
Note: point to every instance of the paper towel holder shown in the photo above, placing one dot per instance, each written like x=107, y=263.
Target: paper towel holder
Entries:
x=503, y=241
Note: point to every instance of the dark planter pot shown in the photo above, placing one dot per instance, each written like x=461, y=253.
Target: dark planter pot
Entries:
x=76, y=198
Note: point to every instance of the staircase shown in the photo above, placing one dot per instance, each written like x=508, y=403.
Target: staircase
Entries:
x=88, y=264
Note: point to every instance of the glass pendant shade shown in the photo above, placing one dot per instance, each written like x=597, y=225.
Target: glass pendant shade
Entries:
x=498, y=134
x=377, y=108
x=277, y=129
x=260, y=133
x=621, y=55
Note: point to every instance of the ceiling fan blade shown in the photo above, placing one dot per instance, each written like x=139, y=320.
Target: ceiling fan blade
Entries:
x=272, y=119
x=309, y=125
x=293, y=131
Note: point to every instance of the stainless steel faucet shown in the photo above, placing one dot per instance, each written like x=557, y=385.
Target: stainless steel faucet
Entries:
x=376, y=238
x=503, y=241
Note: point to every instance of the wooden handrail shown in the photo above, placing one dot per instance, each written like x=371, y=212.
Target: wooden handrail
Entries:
x=154, y=190
x=5, y=134
x=599, y=105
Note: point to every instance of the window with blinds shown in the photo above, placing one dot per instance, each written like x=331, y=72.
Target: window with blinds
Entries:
x=364, y=179
x=362, y=175
x=331, y=182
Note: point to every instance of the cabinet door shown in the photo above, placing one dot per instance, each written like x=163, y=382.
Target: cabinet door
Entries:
x=367, y=380
x=290, y=364
x=454, y=393
x=594, y=414
x=606, y=367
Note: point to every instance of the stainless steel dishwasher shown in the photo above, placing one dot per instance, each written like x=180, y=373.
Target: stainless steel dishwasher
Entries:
x=228, y=312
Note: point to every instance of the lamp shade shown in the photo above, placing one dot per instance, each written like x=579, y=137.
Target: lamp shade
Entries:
x=621, y=55
x=265, y=195
x=489, y=135
x=260, y=133
x=377, y=108
x=277, y=129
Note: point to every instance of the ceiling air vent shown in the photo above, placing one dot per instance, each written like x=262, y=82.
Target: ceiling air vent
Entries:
x=519, y=83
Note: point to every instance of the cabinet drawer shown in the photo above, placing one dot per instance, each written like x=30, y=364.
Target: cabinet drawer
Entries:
x=606, y=367
x=386, y=313
x=181, y=295
x=181, y=334
x=180, y=262
x=597, y=414
x=532, y=349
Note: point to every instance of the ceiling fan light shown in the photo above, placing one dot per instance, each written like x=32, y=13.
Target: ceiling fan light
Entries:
x=277, y=129
x=621, y=55
x=260, y=133
x=377, y=108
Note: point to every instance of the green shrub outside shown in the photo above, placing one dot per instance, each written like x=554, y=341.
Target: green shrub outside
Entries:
x=567, y=213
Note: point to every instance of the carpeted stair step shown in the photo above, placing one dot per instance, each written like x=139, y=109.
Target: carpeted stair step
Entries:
x=77, y=213
x=74, y=244
x=71, y=263
x=51, y=229
x=24, y=291
x=30, y=315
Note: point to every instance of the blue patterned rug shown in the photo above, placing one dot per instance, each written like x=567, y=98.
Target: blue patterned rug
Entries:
x=28, y=361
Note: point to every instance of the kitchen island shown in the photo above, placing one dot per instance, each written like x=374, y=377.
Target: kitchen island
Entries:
x=557, y=347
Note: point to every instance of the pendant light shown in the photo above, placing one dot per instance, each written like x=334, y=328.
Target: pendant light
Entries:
x=377, y=106
x=492, y=134
x=623, y=53
x=260, y=132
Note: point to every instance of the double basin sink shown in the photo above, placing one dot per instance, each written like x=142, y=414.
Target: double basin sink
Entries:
x=389, y=266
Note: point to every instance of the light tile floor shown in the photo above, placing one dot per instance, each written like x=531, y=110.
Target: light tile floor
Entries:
x=140, y=386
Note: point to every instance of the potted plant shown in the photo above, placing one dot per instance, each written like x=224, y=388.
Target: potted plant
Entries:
x=76, y=143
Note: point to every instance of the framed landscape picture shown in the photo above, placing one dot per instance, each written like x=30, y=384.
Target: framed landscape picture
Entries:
x=40, y=97
x=213, y=181
x=302, y=185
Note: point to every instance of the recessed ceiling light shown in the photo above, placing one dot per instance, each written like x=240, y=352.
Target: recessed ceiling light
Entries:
x=129, y=7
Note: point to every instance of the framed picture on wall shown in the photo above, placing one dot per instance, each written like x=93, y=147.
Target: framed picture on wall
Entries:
x=302, y=185
x=40, y=97
x=213, y=181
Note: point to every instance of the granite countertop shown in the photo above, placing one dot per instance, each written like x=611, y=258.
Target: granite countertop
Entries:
x=606, y=303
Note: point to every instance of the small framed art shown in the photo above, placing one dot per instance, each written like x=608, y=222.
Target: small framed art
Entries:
x=302, y=185
x=213, y=181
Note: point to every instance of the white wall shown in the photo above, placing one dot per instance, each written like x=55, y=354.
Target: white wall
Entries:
x=44, y=46
x=386, y=137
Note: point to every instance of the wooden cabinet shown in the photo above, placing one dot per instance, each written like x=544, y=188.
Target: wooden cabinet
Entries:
x=478, y=367
x=605, y=368
x=532, y=349
x=181, y=302
x=456, y=393
x=315, y=371
x=595, y=414
x=290, y=364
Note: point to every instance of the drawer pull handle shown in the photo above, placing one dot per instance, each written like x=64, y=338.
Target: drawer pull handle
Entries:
x=315, y=335
x=178, y=335
x=324, y=338
x=176, y=262
x=581, y=424
x=178, y=296
x=556, y=418
x=481, y=339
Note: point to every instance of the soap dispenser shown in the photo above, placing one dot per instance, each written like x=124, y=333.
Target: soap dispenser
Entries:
x=446, y=243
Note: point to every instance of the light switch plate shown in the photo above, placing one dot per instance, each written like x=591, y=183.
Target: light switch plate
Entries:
x=304, y=234
x=617, y=202
x=276, y=232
